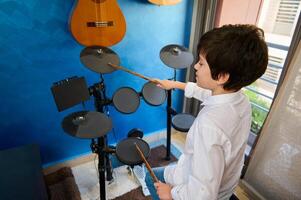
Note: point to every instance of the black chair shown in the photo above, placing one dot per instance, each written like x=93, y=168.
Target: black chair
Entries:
x=21, y=174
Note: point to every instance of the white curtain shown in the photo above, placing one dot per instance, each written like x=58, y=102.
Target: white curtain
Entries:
x=275, y=167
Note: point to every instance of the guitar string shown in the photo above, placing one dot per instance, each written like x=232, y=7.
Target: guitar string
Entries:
x=102, y=16
x=87, y=26
x=106, y=17
x=100, y=13
x=96, y=15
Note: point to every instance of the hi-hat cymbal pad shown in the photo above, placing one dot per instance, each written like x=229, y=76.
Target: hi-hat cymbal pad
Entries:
x=96, y=58
x=87, y=124
x=176, y=56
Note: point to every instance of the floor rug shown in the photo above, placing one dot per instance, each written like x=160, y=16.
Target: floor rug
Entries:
x=81, y=182
x=86, y=175
x=156, y=159
x=61, y=185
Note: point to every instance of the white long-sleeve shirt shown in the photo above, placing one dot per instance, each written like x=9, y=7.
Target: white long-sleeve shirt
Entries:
x=213, y=157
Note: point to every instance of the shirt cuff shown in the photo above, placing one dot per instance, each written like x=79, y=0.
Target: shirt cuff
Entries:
x=189, y=89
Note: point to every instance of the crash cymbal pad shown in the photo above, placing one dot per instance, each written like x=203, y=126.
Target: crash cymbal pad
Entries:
x=87, y=124
x=176, y=56
x=96, y=58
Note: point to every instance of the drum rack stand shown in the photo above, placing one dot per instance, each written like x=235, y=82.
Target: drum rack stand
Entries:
x=169, y=112
x=171, y=55
x=100, y=147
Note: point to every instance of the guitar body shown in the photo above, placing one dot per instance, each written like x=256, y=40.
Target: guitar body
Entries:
x=97, y=23
x=164, y=2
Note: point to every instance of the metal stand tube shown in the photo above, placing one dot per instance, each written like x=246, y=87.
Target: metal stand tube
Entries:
x=168, y=125
x=101, y=168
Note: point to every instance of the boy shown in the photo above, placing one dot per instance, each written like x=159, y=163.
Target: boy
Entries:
x=230, y=58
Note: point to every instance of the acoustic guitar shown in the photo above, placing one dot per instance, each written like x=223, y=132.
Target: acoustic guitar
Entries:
x=97, y=22
x=164, y=2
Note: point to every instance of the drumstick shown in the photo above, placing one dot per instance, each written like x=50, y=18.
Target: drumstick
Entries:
x=155, y=179
x=134, y=73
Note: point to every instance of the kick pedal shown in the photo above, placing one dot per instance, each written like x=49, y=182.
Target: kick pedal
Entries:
x=140, y=174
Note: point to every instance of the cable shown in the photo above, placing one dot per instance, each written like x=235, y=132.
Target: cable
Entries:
x=106, y=107
x=84, y=105
x=96, y=168
x=175, y=75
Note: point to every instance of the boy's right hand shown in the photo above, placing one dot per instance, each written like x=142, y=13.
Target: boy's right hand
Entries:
x=165, y=84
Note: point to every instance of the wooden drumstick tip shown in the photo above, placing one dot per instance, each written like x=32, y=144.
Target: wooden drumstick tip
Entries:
x=112, y=65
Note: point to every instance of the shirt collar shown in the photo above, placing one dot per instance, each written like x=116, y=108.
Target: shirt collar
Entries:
x=222, y=98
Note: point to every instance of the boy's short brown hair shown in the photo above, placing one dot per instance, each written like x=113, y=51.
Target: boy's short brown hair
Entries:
x=239, y=50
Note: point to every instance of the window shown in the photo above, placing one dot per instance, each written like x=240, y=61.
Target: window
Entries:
x=278, y=19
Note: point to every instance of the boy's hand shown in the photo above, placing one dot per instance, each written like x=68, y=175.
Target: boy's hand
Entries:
x=165, y=84
x=163, y=191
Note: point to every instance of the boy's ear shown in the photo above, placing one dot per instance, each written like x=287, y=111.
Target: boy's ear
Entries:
x=223, y=78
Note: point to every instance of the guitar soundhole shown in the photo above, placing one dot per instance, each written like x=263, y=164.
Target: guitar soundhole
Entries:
x=98, y=1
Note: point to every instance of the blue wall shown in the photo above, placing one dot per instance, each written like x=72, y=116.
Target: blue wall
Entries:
x=37, y=49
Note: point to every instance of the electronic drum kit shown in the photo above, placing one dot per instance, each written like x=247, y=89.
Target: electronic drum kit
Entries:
x=95, y=125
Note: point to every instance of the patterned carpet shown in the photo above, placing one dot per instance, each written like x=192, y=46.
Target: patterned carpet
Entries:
x=61, y=185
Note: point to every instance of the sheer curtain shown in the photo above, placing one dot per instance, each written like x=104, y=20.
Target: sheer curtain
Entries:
x=274, y=170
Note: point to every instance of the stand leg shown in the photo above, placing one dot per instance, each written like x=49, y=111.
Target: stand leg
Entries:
x=101, y=168
x=168, y=124
x=109, y=168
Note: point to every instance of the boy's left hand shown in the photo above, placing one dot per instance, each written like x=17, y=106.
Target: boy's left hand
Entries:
x=163, y=191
